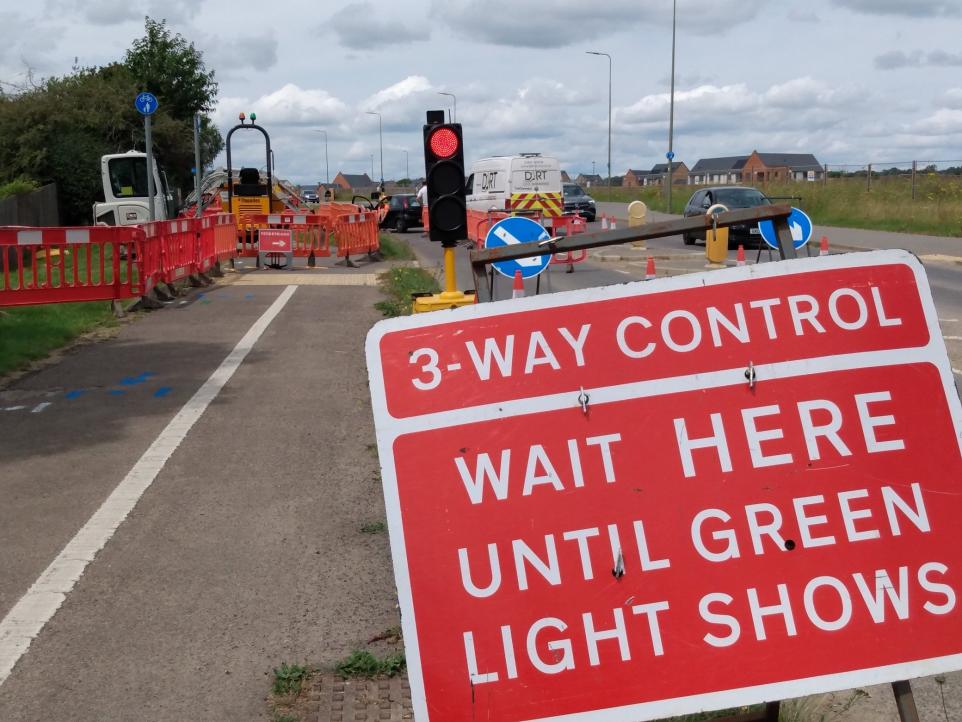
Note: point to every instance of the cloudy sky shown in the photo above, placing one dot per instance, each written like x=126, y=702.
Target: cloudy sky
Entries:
x=852, y=81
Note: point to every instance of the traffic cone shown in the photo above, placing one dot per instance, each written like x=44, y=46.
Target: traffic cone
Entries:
x=823, y=246
x=604, y=222
x=650, y=269
x=741, y=255
x=612, y=226
x=518, y=290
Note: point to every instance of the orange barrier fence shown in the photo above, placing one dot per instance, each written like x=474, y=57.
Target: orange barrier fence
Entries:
x=108, y=263
x=179, y=248
x=569, y=225
x=59, y=265
x=356, y=233
x=310, y=233
x=480, y=222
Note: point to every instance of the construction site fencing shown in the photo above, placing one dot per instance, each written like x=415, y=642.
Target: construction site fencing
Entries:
x=310, y=233
x=356, y=233
x=108, y=263
x=61, y=265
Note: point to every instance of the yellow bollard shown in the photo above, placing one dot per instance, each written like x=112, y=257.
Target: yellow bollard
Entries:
x=637, y=216
x=716, y=239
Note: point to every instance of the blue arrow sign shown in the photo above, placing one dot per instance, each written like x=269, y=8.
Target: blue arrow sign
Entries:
x=669, y=155
x=798, y=223
x=510, y=232
x=146, y=103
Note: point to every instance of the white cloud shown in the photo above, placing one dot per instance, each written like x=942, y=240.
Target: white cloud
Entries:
x=894, y=59
x=363, y=25
x=951, y=98
x=231, y=55
x=910, y=8
x=289, y=105
x=946, y=121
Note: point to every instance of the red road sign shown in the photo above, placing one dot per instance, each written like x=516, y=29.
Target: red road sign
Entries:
x=275, y=240
x=689, y=541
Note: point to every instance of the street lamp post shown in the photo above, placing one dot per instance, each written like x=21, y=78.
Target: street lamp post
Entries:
x=455, y=99
x=407, y=168
x=595, y=52
x=380, y=137
x=372, y=166
x=671, y=105
x=327, y=170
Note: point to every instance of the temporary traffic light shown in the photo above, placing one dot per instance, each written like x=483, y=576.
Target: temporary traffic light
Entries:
x=444, y=174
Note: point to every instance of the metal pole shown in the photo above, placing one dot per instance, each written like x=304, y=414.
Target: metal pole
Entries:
x=904, y=701
x=914, y=167
x=380, y=142
x=868, y=187
x=407, y=168
x=197, y=166
x=671, y=103
x=595, y=52
x=149, y=143
x=454, y=98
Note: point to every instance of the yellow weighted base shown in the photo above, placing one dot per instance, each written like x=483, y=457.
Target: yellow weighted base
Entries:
x=716, y=245
x=441, y=301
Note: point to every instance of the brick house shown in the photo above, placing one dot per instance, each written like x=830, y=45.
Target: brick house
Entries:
x=656, y=176
x=762, y=167
x=349, y=181
x=589, y=180
x=717, y=170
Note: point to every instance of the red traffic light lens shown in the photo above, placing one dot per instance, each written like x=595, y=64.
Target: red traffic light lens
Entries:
x=444, y=143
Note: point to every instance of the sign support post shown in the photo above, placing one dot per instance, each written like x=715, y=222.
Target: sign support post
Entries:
x=146, y=105
x=197, y=166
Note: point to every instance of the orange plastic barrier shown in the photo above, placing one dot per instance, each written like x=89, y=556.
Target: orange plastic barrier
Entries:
x=356, y=233
x=179, y=248
x=569, y=225
x=217, y=240
x=63, y=265
x=480, y=222
x=310, y=233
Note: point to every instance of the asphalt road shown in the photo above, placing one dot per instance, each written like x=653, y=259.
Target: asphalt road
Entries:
x=245, y=551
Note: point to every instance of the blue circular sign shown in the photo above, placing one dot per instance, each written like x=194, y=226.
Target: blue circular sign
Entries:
x=798, y=223
x=146, y=103
x=669, y=155
x=512, y=231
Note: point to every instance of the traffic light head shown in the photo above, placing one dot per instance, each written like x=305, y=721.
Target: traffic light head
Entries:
x=444, y=174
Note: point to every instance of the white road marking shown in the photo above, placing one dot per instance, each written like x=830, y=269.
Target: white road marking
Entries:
x=29, y=615
x=952, y=338
x=40, y=407
x=957, y=371
x=14, y=408
x=948, y=320
x=619, y=270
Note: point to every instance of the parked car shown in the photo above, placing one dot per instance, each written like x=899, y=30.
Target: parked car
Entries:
x=403, y=210
x=310, y=197
x=576, y=199
x=731, y=197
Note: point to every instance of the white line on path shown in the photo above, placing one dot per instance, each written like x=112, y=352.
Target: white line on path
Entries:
x=957, y=371
x=14, y=408
x=39, y=407
x=952, y=338
x=29, y=615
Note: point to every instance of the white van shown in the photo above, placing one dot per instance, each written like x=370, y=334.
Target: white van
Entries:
x=525, y=183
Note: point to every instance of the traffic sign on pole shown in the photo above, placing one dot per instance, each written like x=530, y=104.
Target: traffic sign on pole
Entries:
x=513, y=230
x=146, y=103
x=684, y=480
x=798, y=223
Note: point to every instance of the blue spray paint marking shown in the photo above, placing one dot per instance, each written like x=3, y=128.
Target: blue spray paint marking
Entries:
x=162, y=391
x=75, y=393
x=116, y=392
x=138, y=379
x=248, y=296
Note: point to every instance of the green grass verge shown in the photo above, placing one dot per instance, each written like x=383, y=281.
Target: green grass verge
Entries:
x=845, y=202
x=28, y=333
x=398, y=284
x=395, y=249
x=364, y=664
x=288, y=679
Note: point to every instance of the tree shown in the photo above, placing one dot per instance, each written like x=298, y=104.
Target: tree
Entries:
x=173, y=70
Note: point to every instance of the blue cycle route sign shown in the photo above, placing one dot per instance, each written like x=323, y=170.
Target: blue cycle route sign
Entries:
x=514, y=230
x=798, y=223
x=669, y=155
x=146, y=103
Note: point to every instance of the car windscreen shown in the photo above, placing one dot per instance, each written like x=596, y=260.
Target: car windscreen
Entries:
x=408, y=201
x=740, y=197
x=128, y=177
x=573, y=191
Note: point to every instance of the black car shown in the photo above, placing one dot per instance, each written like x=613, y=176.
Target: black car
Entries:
x=731, y=197
x=403, y=211
x=577, y=200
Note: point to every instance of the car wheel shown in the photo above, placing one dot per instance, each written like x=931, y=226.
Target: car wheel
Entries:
x=400, y=226
x=590, y=218
x=688, y=239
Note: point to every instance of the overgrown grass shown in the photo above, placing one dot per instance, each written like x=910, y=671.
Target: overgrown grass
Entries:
x=28, y=333
x=398, y=284
x=846, y=202
x=395, y=249
x=374, y=527
x=288, y=679
x=361, y=663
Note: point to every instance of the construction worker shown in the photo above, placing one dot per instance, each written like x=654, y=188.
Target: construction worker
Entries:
x=423, y=193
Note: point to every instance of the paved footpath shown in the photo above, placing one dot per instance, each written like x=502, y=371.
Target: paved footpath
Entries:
x=244, y=549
